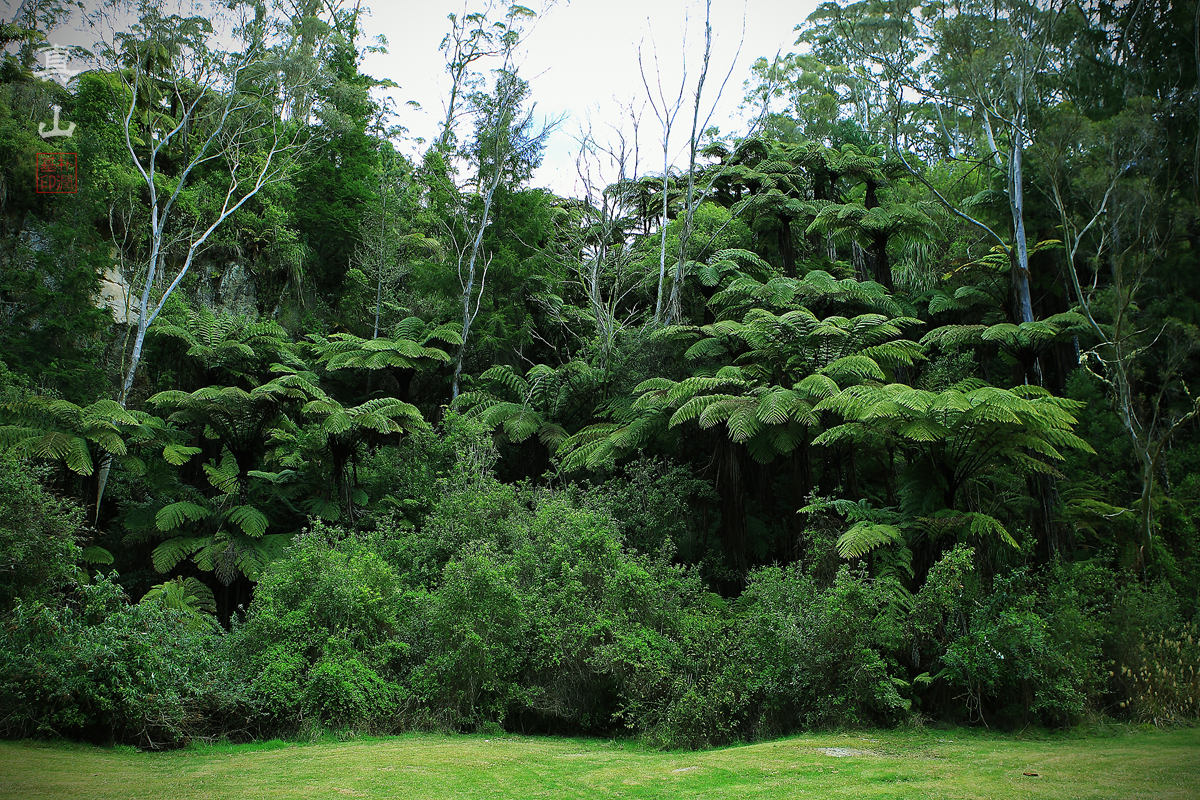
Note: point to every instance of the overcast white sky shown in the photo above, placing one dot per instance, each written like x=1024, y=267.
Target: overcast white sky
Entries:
x=582, y=63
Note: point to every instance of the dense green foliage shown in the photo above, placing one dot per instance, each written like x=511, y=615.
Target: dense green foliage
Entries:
x=885, y=412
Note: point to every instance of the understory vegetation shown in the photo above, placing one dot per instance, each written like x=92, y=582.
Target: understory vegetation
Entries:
x=883, y=411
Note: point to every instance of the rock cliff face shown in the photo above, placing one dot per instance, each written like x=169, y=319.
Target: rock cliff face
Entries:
x=233, y=292
x=114, y=295
x=237, y=292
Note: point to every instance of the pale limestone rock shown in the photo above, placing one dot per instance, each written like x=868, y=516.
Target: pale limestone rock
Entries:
x=114, y=295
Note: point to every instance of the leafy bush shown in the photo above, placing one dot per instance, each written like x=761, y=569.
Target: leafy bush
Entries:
x=471, y=641
x=39, y=547
x=483, y=512
x=605, y=624
x=652, y=505
x=343, y=689
x=539, y=613
x=822, y=657
x=99, y=668
x=518, y=606
x=1031, y=649
x=319, y=641
x=1155, y=656
x=1161, y=680
x=405, y=478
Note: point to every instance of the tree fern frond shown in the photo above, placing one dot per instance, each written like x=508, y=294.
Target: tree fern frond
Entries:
x=706, y=348
x=922, y=430
x=983, y=526
x=857, y=366
x=324, y=508
x=253, y=522
x=817, y=387
x=507, y=377
x=864, y=537
x=78, y=458
x=840, y=434
x=742, y=423
x=521, y=425
x=179, y=513
x=178, y=454
x=172, y=551
x=95, y=554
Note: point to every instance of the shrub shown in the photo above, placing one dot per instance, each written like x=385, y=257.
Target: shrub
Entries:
x=818, y=657
x=471, y=636
x=605, y=624
x=1155, y=656
x=319, y=642
x=1031, y=649
x=485, y=511
x=100, y=668
x=343, y=690
x=651, y=503
x=39, y=550
x=404, y=479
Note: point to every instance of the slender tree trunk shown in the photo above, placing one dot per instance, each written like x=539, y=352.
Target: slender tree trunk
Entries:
x=1196, y=150
x=881, y=263
x=733, y=512
x=469, y=287
x=675, y=311
x=1023, y=303
x=135, y=359
x=20, y=11
x=1016, y=201
x=863, y=270
x=662, y=242
x=1147, y=509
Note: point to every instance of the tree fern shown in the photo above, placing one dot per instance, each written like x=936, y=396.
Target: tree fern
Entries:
x=783, y=366
x=253, y=522
x=183, y=594
x=95, y=554
x=224, y=348
x=409, y=348
x=522, y=406
x=58, y=430
x=864, y=537
x=175, y=515
x=168, y=554
x=962, y=432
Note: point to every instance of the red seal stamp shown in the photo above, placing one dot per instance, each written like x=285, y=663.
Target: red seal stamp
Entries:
x=57, y=173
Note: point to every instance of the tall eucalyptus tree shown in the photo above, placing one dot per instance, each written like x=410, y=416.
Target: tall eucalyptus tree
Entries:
x=195, y=113
x=987, y=63
x=506, y=147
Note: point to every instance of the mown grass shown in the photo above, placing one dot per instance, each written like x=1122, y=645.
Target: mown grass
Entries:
x=959, y=764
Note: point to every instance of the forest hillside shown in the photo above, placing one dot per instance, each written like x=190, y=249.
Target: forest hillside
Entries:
x=881, y=409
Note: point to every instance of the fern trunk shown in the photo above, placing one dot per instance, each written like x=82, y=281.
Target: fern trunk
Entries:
x=787, y=247
x=881, y=265
x=733, y=510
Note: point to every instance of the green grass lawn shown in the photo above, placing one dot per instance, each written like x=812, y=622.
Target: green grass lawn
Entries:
x=931, y=764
